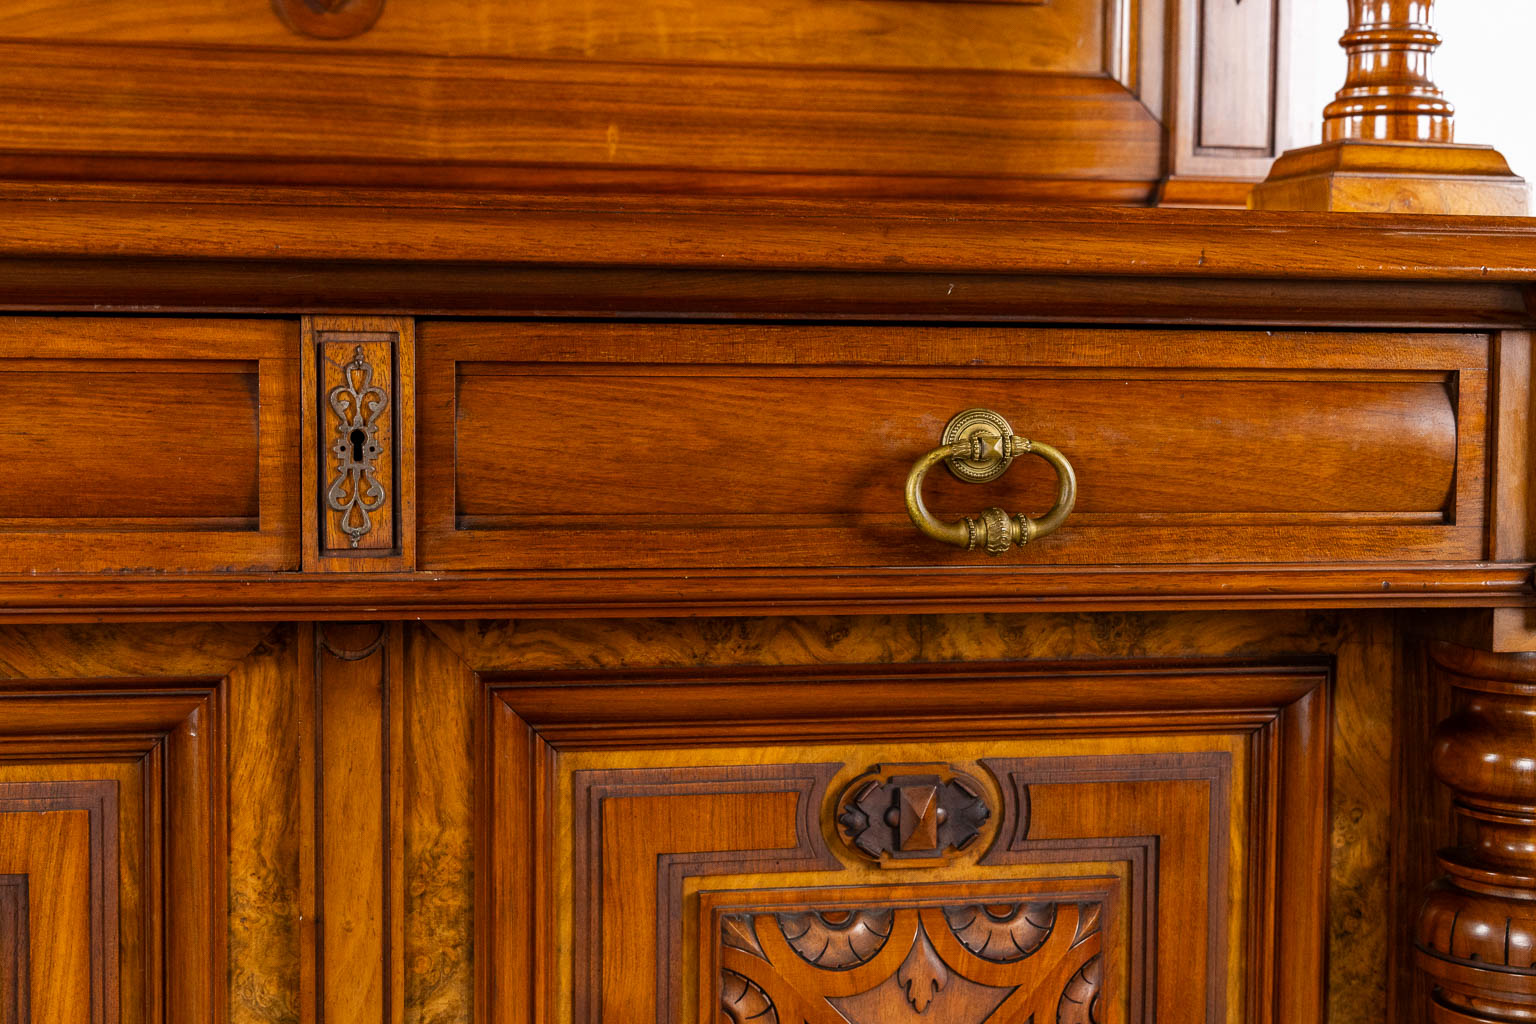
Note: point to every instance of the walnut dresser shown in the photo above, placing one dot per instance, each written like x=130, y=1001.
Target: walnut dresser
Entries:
x=502, y=524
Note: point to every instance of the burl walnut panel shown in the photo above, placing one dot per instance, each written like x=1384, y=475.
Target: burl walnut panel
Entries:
x=583, y=446
x=148, y=444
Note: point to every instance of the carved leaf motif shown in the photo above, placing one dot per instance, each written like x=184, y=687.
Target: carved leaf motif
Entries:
x=742, y=1002
x=737, y=931
x=1088, y=915
x=1002, y=934
x=922, y=973
x=1080, y=999
x=837, y=940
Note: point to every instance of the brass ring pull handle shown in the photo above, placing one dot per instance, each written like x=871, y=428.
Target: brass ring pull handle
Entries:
x=978, y=446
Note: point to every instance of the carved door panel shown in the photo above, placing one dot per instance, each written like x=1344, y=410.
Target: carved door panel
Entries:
x=959, y=843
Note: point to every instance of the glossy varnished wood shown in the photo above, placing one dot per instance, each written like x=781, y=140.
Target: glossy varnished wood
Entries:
x=1359, y=812
x=310, y=226
x=743, y=447
x=147, y=444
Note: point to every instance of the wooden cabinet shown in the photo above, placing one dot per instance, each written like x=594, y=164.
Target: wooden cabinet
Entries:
x=525, y=624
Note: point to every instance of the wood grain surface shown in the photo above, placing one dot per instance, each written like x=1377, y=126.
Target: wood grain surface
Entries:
x=1360, y=810
x=1063, y=36
x=147, y=444
x=462, y=121
x=64, y=220
x=720, y=455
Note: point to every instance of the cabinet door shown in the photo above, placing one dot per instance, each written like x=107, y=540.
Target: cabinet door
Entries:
x=963, y=843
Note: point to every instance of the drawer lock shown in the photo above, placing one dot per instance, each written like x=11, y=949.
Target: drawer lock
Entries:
x=978, y=445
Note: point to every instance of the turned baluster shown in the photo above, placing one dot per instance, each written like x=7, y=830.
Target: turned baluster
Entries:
x=1387, y=137
x=1388, y=93
x=1476, y=935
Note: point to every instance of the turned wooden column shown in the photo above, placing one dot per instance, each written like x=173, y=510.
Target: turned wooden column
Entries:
x=1476, y=934
x=1388, y=134
x=1388, y=93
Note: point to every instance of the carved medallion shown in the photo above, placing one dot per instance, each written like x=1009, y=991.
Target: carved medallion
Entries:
x=913, y=815
x=953, y=964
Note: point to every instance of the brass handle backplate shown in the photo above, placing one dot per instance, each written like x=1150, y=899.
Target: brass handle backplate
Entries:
x=978, y=446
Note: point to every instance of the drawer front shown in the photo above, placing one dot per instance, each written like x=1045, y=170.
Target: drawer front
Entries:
x=958, y=844
x=697, y=446
x=148, y=444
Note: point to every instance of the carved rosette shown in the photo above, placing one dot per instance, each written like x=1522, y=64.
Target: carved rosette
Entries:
x=914, y=815
x=883, y=965
x=1476, y=935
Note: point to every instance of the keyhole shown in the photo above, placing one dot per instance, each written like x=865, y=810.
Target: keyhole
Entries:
x=358, y=437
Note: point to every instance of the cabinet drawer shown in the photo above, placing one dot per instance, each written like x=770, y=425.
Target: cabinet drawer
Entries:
x=148, y=444
x=697, y=446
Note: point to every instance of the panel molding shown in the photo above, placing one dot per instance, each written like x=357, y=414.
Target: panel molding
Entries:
x=591, y=790
x=15, y=952
x=99, y=801
x=223, y=523
x=148, y=709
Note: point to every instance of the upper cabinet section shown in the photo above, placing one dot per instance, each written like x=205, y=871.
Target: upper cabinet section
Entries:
x=1104, y=101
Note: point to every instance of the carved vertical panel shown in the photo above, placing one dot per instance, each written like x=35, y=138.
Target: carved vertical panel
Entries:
x=1227, y=110
x=350, y=821
x=635, y=829
x=359, y=433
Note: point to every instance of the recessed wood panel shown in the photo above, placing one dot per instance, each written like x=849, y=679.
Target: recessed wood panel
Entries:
x=577, y=447
x=148, y=444
x=78, y=434
x=176, y=899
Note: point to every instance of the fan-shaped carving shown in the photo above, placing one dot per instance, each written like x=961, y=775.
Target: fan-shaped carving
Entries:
x=837, y=940
x=1080, y=999
x=742, y=1002
x=1003, y=934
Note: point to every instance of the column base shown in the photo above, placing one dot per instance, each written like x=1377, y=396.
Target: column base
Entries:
x=1357, y=176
